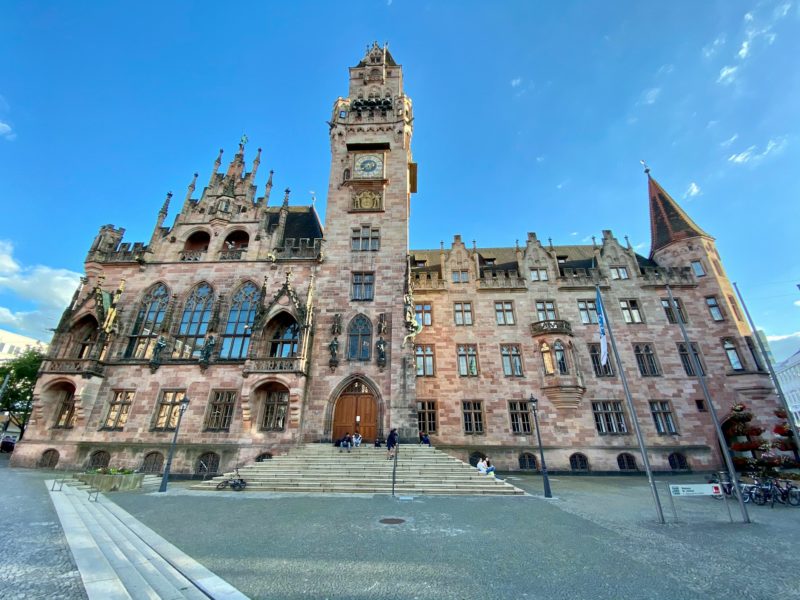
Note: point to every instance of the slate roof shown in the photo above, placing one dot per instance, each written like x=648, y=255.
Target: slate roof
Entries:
x=668, y=222
x=301, y=222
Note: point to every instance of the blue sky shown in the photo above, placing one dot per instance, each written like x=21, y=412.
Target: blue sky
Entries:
x=530, y=116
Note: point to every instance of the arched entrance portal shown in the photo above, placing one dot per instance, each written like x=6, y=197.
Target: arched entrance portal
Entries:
x=356, y=410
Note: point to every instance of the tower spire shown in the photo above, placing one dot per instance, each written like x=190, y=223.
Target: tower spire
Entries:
x=668, y=221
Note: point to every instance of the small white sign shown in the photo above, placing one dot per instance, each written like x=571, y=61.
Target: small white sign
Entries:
x=696, y=489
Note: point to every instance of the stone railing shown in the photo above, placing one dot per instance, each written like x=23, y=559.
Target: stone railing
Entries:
x=427, y=283
x=665, y=275
x=501, y=283
x=78, y=366
x=303, y=251
x=579, y=277
x=233, y=254
x=275, y=365
x=192, y=255
x=551, y=326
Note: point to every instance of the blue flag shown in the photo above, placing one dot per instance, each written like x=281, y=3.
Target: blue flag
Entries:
x=601, y=320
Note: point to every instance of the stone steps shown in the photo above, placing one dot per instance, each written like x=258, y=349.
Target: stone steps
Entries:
x=321, y=468
x=119, y=558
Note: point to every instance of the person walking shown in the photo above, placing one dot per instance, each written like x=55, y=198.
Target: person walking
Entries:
x=391, y=444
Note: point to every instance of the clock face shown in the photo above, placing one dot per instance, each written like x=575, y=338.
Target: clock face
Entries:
x=368, y=166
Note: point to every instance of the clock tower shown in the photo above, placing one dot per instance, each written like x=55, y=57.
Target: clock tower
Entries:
x=362, y=376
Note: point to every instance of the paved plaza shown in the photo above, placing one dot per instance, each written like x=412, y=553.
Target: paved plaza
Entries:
x=598, y=539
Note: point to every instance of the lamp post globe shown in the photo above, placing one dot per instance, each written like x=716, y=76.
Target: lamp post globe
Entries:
x=545, y=480
x=184, y=404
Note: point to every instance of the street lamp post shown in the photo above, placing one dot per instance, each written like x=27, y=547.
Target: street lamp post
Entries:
x=181, y=409
x=545, y=480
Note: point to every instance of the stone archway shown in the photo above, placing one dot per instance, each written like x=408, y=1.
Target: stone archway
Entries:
x=356, y=409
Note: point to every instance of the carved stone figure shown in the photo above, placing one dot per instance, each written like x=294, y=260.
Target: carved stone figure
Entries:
x=155, y=359
x=380, y=347
x=207, y=350
x=334, y=349
x=336, y=327
x=382, y=327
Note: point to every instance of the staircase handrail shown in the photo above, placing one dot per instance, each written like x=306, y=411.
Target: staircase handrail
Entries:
x=394, y=466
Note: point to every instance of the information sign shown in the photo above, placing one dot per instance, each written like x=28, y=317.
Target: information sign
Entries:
x=696, y=489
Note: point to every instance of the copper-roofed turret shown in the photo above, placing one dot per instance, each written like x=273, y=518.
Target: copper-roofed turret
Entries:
x=668, y=222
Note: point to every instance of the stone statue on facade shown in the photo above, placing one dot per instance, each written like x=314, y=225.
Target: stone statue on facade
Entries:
x=412, y=325
x=382, y=326
x=207, y=351
x=334, y=349
x=380, y=347
x=155, y=359
x=336, y=327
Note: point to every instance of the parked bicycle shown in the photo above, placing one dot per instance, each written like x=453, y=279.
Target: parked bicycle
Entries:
x=772, y=491
x=727, y=488
x=237, y=483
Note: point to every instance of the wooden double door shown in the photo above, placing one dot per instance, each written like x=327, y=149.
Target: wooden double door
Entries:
x=356, y=410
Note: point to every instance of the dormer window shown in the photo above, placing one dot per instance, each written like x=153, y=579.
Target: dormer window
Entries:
x=489, y=262
x=619, y=273
x=561, y=259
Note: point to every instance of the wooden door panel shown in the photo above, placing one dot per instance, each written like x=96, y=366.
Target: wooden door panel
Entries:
x=344, y=418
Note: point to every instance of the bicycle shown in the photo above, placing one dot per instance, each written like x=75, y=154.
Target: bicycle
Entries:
x=236, y=483
x=746, y=489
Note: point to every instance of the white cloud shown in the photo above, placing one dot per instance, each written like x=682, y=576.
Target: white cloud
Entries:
x=774, y=146
x=712, y=48
x=650, y=96
x=692, y=191
x=744, y=50
x=539, y=159
x=640, y=246
x=782, y=10
x=778, y=338
x=574, y=233
x=748, y=17
x=562, y=184
x=730, y=140
x=516, y=82
x=727, y=75
x=7, y=132
x=796, y=303
x=665, y=70
x=711, y=124
x=48, y=290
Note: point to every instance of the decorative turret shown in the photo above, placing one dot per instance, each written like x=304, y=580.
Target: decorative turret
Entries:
x=668, y=222
x=159, y=231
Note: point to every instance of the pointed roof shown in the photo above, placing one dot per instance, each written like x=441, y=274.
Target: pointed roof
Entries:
x=668, y=222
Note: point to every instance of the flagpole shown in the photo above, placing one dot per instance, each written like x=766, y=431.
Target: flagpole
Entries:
x=723, y=444
x=632, y=409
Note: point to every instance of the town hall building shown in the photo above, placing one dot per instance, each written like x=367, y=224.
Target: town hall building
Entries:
x=282, y=331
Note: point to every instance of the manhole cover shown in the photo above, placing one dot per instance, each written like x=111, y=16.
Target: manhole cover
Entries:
x=392, y=521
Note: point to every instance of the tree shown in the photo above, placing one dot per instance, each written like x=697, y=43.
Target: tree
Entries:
x=18, y=393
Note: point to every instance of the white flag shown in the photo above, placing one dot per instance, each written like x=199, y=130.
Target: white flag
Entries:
x=601, y=320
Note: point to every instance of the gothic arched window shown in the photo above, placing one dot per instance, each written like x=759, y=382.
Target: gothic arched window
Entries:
x=236, y=339
x=194, y=322
x=561, y=358
x=285, y=338
x=147, y=326
x=359, y=338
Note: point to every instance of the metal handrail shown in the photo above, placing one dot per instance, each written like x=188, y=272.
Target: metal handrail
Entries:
x=394, y=466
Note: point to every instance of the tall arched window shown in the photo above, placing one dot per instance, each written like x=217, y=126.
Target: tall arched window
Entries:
x=285, y=337
x=84, y=336
x=194, y=322
x=359, y=338
x=147, y=326
x=561, y=358
x=547, y=359
x=236, y=339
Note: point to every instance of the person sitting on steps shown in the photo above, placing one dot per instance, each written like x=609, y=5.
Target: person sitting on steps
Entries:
x=347, y=442
x=356, y=439
x=425, y=440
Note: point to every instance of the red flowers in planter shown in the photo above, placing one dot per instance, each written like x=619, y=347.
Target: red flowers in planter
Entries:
x=749, y=445
x=782, y=429
x=780, y=413
x=754, y=431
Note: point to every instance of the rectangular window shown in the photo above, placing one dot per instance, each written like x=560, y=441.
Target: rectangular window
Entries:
x=630, y=311
x=701, y=405
x=467, y=360
x=588, y=311
x=66, y=411
x=699, y=270
x=735, y=308
x=714, y=309
x=276, y=403
x=473, y=416
x=733, y=355
x=546, y=310
x=168, y=410
x=460, y=276
x=675, y=312
x=220, y=410
x=539, y=275
x=520, y=417
x=512, y=361
x=363, y=286
x=423, y=314
x=504, y=313
x=118, y=410
x=619, y=272
x=365, y=238
x=686, y=360
x=609, y=418
x=754, y=353
x=662, y=417
x=425, y=361
x=426, y=416
x=462, y=312
x=646, y=360
x=600, y=370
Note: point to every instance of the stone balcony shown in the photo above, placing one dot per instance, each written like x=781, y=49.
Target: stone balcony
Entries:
x=552, y=326
x=579, y=278
x=658, y=276
x=295, y=364
x=232, y=254
x=422, y=282
x=84, y=367
x=501, y=280
x=193, y=255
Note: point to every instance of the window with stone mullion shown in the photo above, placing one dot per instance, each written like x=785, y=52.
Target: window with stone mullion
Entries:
x=118, y=410
x=66, y=411
x=194, y=323
x=236, y=339
x=467, y=360
x=600, y=370
x=512, y=361
x=426, y=416
x=462, y=312
x=520, y=417
x=168, y=410
x=588, y=311
x=662, y=418
x=359, y=344
x=686, y=360
x=646, y=360
x=473, y=416
x=220, y=411
x=285, y=341
x=609, y=418
x=147, y=326
x=275, y=407
x=425, y=361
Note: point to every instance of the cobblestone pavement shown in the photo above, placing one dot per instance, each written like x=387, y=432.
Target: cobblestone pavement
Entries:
x=597, y=540
x=36, y=562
